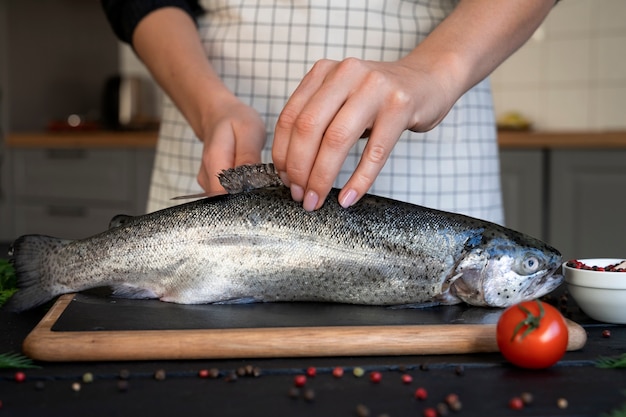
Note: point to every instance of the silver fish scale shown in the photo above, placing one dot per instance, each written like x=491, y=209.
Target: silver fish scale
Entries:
x=261, y=245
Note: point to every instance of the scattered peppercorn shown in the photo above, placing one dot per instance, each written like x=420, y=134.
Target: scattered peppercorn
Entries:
x=338, y=372
x=256, y=371
x=430, y=412
x=406, y=379
x=362, y=411
x=241, y=371
x=160, y=375
x=19, y=376
x=309, y=395
x=617, y=267
x=376, y=377
x=527, y=398
x=76, y=386
x=214, y=373
x=122, y=385
x=443, y=409
x=421, y=393
x=293, y=392
x=299, y=380
x=311, y=371
x=203, y=373
x=606, y=333
x=358, y=372
x=87, y=377
x=460, y=370
x=516, y=403
x=562, y=403
x=424, y=367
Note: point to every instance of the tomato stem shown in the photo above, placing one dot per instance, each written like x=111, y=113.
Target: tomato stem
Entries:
x=531, y=322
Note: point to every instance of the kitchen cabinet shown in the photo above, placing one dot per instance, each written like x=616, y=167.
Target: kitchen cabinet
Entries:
x=73, y=192
x=587, y=203
x=571, y=198
x=523, y=188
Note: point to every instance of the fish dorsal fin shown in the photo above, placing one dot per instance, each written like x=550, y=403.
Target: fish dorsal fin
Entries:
x=249, y=177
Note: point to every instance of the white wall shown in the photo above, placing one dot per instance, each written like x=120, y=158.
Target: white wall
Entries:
x=572, y=75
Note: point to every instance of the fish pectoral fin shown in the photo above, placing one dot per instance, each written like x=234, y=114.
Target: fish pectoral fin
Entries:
x=242, y=300
x=131, y=291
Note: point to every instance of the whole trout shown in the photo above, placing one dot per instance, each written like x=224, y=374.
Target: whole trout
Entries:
x=258, y=245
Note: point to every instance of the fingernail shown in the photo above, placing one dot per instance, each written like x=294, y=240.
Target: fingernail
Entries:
x=297, y=192
x=310, y=201
x=348, y=199
x=284, y=178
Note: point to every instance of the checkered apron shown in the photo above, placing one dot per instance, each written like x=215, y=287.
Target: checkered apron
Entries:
x=263, y=48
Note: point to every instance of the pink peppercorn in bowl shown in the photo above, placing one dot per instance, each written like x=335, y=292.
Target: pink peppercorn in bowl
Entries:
x=599, y=287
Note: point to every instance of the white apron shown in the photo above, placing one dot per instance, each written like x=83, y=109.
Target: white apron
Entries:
x=263, y=49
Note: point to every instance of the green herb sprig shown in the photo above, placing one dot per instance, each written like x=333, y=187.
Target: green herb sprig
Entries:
x=15, y=360
x=611, y=362
x=8, y=281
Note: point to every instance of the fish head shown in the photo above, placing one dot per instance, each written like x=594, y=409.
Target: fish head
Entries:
x=506, y=270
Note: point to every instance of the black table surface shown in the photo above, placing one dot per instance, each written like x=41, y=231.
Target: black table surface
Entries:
x=484, y=383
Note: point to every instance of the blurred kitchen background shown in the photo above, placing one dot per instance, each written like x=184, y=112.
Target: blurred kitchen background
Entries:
x=562, y=98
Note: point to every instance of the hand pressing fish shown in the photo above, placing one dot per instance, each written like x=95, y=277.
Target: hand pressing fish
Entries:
x=258, y=245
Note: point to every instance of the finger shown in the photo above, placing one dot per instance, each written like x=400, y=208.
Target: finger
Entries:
x=355, y=117
x=217, y=155
x=385, y=134
x=249, y=143
x=301, y=125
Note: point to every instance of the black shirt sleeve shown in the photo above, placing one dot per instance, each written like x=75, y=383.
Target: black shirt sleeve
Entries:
x=125, y=15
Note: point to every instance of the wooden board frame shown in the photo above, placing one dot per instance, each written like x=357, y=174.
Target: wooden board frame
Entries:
x=45, y=344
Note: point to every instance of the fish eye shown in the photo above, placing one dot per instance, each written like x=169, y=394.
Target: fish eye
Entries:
x=530, y=264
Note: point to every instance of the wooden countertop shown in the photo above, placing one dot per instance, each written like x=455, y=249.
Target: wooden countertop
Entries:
x=147, y=139
x=86, y=139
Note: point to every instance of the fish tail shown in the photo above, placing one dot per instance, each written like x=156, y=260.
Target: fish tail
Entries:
x=29, y=256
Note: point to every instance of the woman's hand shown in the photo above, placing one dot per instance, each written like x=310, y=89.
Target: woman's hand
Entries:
x=337, y=103
x=235, y=135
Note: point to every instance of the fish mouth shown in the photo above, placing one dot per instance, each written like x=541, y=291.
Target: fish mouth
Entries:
x=543, y=285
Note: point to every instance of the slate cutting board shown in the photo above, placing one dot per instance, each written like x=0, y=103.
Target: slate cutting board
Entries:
x=95, y=327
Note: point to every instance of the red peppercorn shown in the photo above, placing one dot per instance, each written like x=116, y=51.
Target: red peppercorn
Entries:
x=203, y=373
x=376, y=377
x=421, y=393
x=516, y=403
x=430, y=412
x=299, y=380
x=452, y=398
x=407, y=379
x=338, y=372
x=311, y=371
x=606, y=333
x=20, y=376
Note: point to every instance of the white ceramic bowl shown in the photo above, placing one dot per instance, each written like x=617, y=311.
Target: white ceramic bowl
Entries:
x=601, y=295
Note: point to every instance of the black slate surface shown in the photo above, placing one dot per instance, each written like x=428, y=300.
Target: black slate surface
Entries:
x=91, y=311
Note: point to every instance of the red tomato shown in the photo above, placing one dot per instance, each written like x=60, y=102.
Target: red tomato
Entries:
x=532, y=335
